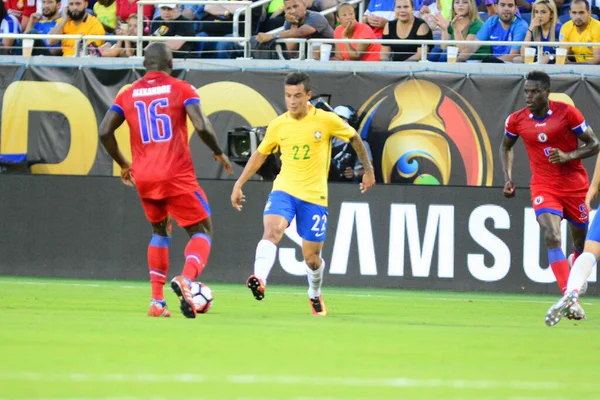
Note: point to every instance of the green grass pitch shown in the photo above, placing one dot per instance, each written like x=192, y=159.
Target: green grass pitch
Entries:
x=62, y=339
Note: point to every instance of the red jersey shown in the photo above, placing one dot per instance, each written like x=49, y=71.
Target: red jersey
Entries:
x=19, y=8
x=558, y=129
x=125, y=8
x=154, y=108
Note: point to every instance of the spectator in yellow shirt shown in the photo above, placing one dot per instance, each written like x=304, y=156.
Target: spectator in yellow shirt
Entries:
x=584, y=29
x=106, y=12
x=76, y=21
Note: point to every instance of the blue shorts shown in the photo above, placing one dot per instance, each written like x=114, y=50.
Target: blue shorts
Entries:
x=594, y=231
x=311, y=219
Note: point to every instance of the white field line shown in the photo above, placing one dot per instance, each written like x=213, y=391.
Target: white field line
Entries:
x=376, y=296
x=399, y=382
x=228, y=397
x=157, y=397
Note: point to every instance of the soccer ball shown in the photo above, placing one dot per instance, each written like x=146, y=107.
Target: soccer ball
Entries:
x=202, y=297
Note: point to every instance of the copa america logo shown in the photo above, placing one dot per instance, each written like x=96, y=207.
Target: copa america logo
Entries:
x=424, y=133
x=542, y=137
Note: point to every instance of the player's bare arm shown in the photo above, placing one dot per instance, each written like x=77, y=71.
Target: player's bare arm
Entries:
x=207, y=134
x=593, y=190
x=109, y=125
x=254, y=163
x=368, y=179
x=591, y=147
x=507, y=157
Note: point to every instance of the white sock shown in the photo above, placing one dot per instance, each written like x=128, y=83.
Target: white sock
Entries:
x=581, y=271
x=264, y=259
x=315, y=280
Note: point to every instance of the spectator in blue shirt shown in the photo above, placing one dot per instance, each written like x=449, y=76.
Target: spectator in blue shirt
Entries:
x=505, y=26
x=42, y=24
x=193, y=11
x=378, y=14
x=10, y=24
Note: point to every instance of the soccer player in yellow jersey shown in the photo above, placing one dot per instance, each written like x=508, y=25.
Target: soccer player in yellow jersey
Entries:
x=303, y=134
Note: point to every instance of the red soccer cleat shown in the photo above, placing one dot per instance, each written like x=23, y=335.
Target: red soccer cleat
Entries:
x=181, y=287
x=158, y=309
x=318, y=306
x=256, y=286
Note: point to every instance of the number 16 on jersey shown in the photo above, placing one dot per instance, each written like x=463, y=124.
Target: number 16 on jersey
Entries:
x=150, y=118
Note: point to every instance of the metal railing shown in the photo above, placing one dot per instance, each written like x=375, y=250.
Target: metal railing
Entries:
x=304, y=45
x=38, y=36
x=247, y=25
x=426, y=43
x=139, y=39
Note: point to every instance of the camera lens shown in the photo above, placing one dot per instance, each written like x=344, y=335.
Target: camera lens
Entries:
x=240, y=146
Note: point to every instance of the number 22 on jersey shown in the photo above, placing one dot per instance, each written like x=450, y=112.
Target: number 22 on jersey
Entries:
x=151, y=121
x=301, y=153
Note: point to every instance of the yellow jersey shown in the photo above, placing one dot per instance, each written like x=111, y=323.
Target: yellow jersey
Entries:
x=568, y=33
x=305, y=152
x=106, y=15
x=89, y=26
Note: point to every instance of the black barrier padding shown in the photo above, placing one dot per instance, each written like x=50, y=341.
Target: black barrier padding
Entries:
x=94, y=228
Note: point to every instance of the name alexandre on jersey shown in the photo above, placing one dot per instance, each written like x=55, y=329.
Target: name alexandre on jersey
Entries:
x=153, y=91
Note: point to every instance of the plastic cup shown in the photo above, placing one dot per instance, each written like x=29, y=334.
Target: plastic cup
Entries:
x=325, y=51
x=561, y=55
x=452, y=53
x=27, y=47
x=316, y=51
x=530, y=55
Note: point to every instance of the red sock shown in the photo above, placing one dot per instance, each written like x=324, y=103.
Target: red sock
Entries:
x=158, y=264
x=196, y=255
x=561, y=272
x=576, y=253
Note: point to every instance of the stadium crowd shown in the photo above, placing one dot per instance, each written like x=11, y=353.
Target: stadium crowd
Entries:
x=474, y=20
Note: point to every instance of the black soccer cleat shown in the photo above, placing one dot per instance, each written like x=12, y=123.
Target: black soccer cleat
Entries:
x=256, y=286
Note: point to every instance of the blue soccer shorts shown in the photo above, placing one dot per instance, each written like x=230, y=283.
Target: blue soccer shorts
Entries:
x=594, y=231
x=311, y=219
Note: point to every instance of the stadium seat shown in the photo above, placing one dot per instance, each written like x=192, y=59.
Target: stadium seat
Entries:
x=526, y=17
x=564, y=9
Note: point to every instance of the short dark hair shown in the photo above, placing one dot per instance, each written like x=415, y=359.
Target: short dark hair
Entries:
x=515, y=1
x=540, y=76
x=158, y=57
x=342, y=5
x=297, y=78
x=412, y=3
x=587, y=5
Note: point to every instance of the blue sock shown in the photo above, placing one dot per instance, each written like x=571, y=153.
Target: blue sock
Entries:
x=161, y=302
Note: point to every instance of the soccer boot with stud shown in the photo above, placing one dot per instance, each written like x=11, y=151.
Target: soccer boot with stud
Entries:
x=158, y=309
x=256, y=286
x=558, y=310
x=318, y=306
x=575, y=312
x=181, y=287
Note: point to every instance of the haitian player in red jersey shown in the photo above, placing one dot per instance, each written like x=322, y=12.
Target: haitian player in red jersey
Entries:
x=551, y=132
x=155, y=108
